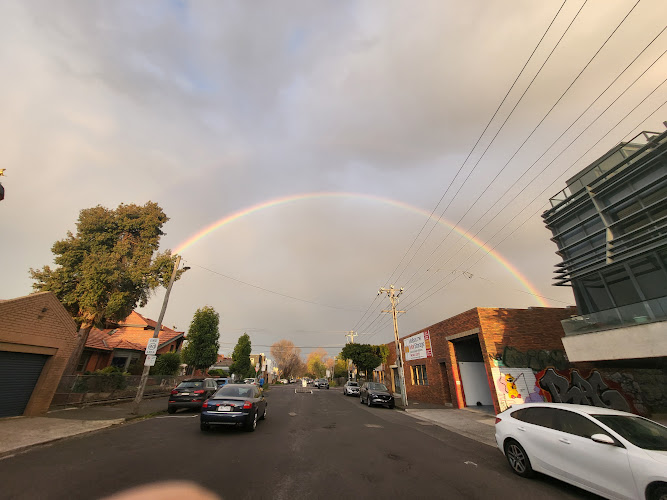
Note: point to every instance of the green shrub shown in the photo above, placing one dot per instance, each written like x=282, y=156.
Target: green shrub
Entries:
x=167, y=364
x=216, y=373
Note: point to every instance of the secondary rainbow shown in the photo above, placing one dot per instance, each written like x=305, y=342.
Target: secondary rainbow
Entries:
x=387, y=201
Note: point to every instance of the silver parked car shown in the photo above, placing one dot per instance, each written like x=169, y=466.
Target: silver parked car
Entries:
x=351, y=388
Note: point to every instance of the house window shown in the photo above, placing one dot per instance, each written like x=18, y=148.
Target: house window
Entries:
x=419, y=375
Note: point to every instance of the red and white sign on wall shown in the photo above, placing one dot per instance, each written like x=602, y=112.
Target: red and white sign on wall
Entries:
x=418, y=346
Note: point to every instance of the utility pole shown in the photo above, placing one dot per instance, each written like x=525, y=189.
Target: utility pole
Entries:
x=351, y=334
x=156, y=333
x=393, y=297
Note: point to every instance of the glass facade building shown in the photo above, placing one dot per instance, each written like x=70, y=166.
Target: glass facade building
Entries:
x=610, y=226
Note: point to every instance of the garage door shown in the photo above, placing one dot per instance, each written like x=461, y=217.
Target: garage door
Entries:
x=19, y=373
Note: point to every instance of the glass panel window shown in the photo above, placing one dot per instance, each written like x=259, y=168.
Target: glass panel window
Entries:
x=419, y=375
x=596, y=292
x=650, y=276
x=544, y=417
x=578, y=425
x=620, y=287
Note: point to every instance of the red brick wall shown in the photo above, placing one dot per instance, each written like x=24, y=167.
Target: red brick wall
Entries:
x=537, y=328
x=39, y=324
x=523, y=329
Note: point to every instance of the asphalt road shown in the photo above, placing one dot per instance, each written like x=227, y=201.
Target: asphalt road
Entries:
x=311, y=446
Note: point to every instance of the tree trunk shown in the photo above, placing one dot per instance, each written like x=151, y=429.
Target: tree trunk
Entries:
x=81, y=338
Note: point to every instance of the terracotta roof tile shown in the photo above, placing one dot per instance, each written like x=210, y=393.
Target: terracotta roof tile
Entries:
x=131, y=334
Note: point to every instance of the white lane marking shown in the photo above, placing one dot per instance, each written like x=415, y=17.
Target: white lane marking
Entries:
x=374, y=426
x=292, y=414
x=470, y=463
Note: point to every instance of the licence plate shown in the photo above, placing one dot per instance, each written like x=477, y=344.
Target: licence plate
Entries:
x=224, y=408
x=184, y=394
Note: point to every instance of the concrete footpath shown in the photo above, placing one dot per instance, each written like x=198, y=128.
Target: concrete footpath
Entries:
x=473, y=423
x=18, y=434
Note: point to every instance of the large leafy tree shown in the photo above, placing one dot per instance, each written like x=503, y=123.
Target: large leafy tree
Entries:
x=108, y=267
x=201, y=350
x=366, y=357
x=316, y=363
x=287, y=357
x=241, y=364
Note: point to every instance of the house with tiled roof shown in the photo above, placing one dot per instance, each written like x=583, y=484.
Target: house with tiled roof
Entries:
x=123, y=344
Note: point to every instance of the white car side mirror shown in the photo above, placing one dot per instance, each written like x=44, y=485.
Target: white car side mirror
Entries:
x=603, y=438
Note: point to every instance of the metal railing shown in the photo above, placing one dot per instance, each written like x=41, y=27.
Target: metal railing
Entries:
x=650, y=311
x=93, y=388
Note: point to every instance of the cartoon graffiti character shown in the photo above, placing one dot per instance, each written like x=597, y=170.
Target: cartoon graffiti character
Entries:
x=510, y=387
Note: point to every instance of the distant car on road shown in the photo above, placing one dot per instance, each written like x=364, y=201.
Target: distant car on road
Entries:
x=250, y=381
x=234, y=404
x=284, y=381
x=191, y=393
x=351, y=388
x=608, y=452
x=321, y=383
x=222, y=381
x=376, y=393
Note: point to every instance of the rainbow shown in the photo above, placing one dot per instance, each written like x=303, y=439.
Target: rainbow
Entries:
x=387, y=201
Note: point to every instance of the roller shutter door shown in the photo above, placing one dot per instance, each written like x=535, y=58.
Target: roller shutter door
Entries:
x=19, y=373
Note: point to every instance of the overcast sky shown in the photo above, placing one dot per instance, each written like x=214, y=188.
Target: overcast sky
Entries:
x=209, y=108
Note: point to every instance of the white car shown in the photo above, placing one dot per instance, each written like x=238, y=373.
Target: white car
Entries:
x=611, y=453
x=351, y=388
x=252, y=381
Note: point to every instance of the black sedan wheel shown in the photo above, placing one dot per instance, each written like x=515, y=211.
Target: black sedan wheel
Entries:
x=368, y=401
x=251, y=424
x=518, y=459
x=171, y=410
x=263, y=417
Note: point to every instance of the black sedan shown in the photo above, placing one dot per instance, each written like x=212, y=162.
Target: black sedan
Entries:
x=234, y=404
x=191, y=393
x=375, y=393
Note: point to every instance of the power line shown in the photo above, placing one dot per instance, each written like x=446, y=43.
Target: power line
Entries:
x=360, y=322
x=413, y=305
x=537, y=175
x=531, y=133
x=273, y=291
x=495, y=136
x=416, y=301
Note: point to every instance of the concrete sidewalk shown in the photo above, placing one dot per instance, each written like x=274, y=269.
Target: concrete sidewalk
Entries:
x=18, y=434
x=474, y=424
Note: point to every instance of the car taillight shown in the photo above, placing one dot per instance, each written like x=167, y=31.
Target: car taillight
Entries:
x=205, y=404
x=247, y=405
x=174, y=391
x=199, y=391
x=498, y=419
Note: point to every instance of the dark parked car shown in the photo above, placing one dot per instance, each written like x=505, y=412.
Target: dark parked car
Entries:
x=240, y=404
x=374, y=393
x=321, y=383
x=191, y=393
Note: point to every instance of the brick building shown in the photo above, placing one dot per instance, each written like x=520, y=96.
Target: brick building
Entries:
x=37, y=337
x=482, y=357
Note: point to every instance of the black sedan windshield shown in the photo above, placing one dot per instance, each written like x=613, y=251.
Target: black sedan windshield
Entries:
x=639, y=431
x=377, y=387
x=235, y=391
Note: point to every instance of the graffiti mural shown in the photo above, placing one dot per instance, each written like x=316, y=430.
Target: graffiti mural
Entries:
x=515, y=386
x=571, y=387
x=535, y=359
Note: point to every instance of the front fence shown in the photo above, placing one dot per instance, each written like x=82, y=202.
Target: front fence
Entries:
x=86, y=389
